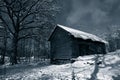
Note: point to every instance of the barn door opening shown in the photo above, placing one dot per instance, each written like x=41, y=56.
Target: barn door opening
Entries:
x=83, y=49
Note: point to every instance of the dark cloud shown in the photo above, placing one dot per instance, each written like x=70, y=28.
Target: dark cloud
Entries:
x=93, y=16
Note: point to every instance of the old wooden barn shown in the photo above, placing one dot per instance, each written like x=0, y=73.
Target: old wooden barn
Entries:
x=67, y=43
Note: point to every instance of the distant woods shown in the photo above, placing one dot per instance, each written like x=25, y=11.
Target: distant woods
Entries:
x=113, y=37
x=24, y=28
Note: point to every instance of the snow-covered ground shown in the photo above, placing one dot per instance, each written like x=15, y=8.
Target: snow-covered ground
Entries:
x=83, y=68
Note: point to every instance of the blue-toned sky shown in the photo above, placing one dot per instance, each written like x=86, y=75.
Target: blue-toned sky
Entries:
x=93, y=16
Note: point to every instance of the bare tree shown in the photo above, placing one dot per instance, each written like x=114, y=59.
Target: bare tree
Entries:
x=20, y=15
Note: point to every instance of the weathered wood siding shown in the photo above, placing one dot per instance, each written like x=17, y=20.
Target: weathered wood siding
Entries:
x=60, y=44
x=64, y=46
x=82, y=47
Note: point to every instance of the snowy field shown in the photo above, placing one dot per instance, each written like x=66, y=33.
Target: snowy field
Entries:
x=82, y=69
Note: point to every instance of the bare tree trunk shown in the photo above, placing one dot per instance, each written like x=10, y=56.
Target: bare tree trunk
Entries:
x=13, y=57
x=3, y=56
x=4, y=49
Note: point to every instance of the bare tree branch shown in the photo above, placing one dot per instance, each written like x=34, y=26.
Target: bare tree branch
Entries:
x=7, y=25
x=24, y=24
x=28, y=12
x=10, y=14
x=27, y=36
x=29, y=28
x=3, y=11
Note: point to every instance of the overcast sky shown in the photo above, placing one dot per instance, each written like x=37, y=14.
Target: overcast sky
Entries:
x=93, y=16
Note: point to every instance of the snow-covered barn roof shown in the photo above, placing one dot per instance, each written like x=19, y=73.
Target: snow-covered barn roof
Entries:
x=80, y=34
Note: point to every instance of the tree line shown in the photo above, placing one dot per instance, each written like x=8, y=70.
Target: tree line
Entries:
x=113, y=37
x=25, y=27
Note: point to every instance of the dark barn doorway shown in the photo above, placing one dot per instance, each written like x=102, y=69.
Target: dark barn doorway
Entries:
x=83, y=49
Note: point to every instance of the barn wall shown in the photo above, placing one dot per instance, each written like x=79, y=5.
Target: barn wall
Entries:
x=65, y=46
x=101, y=48
x=60, y=44
x=93, y=47
x=75, y=48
